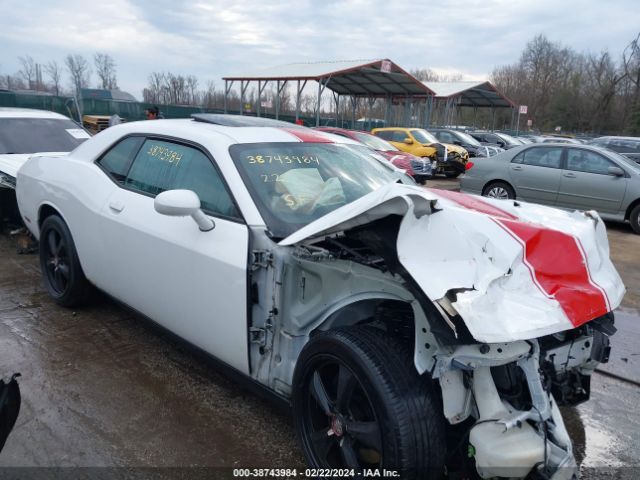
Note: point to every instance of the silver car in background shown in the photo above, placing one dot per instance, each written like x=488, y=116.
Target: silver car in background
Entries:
x=567, y=176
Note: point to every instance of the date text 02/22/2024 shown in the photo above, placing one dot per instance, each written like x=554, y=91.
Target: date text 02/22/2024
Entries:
x=314, y=473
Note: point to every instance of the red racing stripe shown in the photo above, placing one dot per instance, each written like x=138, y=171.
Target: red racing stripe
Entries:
x=556, y=261
x=473, y=203
x=307, y=135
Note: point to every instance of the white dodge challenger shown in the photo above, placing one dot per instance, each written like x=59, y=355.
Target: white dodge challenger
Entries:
x=415, y=330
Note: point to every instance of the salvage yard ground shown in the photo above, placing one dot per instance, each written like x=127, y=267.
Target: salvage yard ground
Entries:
x=102, y=387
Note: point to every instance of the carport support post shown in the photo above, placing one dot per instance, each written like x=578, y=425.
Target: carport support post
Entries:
x=261, y=88
x=318, y=104
x=243, y=89
x=387, y=109
x=406, y=112
x=298, y=93
x=354, y=101
x=321, y=87
x=277, y=99
x=370, y=102
x=279, y=90
x=336, y=99
x=227, y=89
x=259, y=98
x=493, y=118
x=430, y=103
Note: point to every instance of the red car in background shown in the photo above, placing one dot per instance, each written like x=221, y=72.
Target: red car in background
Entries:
x=418, y=168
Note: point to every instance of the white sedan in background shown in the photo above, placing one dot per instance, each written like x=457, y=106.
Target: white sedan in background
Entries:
x=386, y=313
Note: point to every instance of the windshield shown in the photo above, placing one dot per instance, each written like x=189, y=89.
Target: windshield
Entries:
x=397, y=173
x=294, y=184
x=33, y=135
x=468, y=139
x=374, y=142
x=423, y=136
x=626, y=161
x=509, y=139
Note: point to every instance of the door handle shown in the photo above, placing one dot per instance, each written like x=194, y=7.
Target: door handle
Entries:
x=116, y=206
x=569, y=175
x=516, y=167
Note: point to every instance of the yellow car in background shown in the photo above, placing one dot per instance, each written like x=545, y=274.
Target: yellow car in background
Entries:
x=449, y=159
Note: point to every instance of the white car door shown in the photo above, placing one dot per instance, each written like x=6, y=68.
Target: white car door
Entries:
x=191, y=282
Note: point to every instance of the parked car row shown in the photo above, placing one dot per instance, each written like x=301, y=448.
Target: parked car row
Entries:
x=417, y=167
x=626, y=146
x=411, y=329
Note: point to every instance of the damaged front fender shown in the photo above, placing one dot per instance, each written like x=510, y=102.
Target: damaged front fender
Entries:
x=511, y=271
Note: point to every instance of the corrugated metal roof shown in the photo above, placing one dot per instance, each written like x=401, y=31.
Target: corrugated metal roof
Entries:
x=372, y=78
x=101, y=94
x=470, y=93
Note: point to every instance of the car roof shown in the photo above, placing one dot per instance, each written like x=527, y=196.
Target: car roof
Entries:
x=616, y=137
x=210, y=135
x=10, y=112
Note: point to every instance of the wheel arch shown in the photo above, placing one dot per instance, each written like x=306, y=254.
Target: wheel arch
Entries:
x=45, y=210
x=402, y=317
x=631, y=206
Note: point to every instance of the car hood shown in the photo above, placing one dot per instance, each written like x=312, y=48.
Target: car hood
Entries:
x=392, y=155
x=511, y=270
x=10, y=163
x=450, y=147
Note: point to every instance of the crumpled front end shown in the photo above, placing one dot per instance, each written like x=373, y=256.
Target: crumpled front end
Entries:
x=509, y=270
x=524, y=296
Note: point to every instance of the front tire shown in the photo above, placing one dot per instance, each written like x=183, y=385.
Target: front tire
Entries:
x=359, y=403
x=499, y=190
x=634, y=219
x=60, y=265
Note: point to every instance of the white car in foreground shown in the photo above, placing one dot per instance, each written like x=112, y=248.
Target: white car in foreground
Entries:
x=386, y=313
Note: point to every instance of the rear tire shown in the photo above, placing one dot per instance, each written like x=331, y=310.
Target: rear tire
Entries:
x=452, y=174
x=358, y=402
x=634, y=219
x=499, y=190
x=60, y=265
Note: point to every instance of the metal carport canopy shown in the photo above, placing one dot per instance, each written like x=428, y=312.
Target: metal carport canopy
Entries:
x=366, y=78
x=470, y=94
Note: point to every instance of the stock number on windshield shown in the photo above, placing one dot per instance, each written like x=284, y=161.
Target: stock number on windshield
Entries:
x=283, y=159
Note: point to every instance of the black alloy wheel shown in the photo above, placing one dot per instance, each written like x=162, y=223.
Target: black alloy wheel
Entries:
x=341, y=421
x=358, y=403
x=60, y=265
x=57, y=261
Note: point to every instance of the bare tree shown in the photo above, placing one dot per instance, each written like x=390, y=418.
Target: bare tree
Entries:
x=54, y=70
x=106, y=71
x=79, y=71
x=28, y=71
x=192, y=90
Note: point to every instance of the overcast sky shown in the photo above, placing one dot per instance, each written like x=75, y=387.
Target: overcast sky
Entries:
x=212, y=39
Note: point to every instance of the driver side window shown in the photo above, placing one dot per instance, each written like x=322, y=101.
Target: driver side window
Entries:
x=162, y=165
x=589, y=162
x=399, y=136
